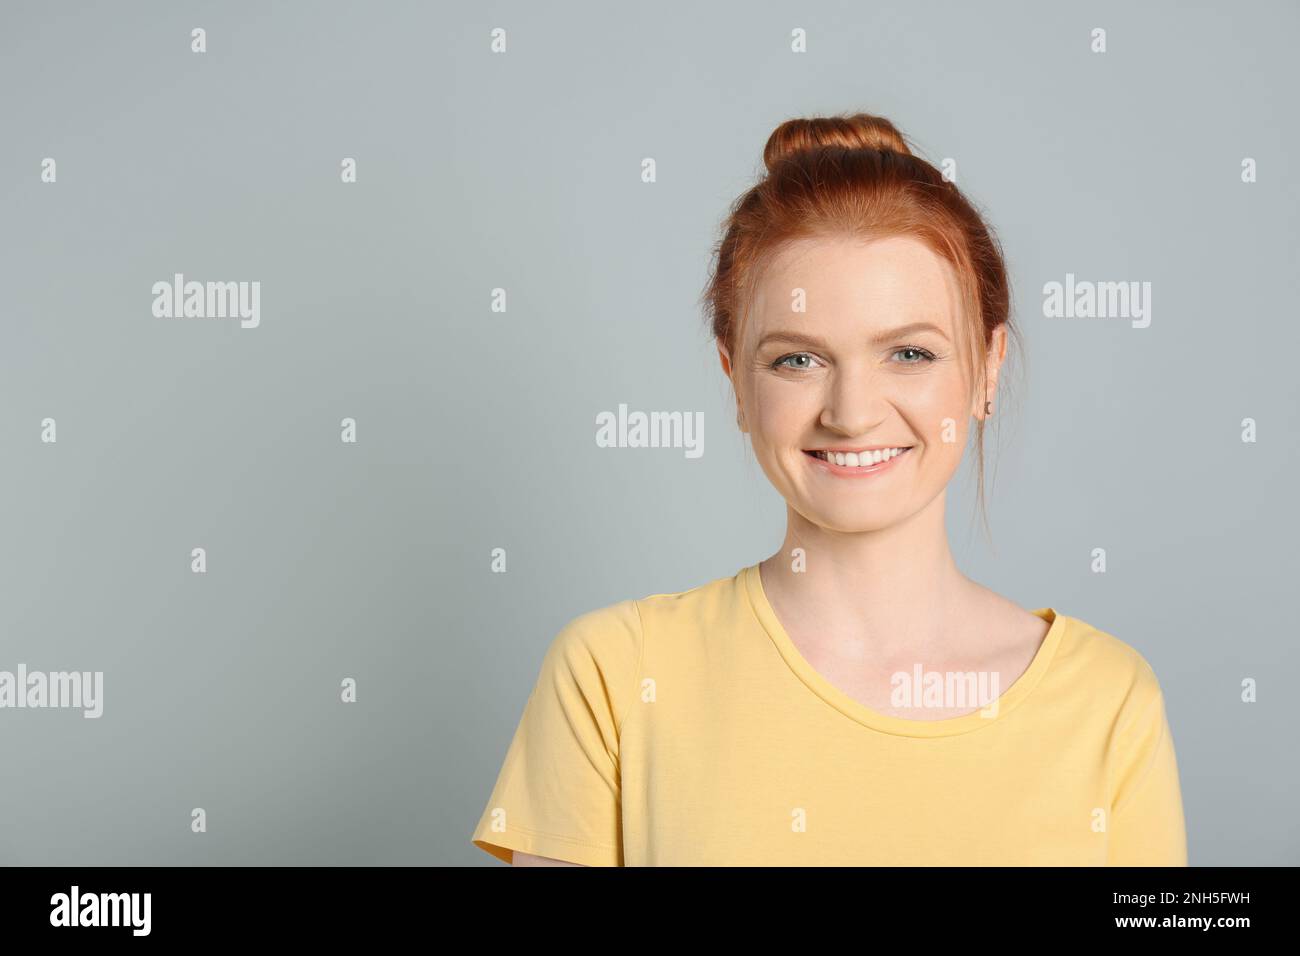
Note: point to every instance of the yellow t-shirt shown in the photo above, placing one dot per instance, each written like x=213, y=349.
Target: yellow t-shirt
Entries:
x=688, y=729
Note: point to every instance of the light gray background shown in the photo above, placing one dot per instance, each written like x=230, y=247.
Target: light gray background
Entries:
x=476, y=429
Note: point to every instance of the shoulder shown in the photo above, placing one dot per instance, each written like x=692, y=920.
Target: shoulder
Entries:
x=1113, y=671
x=607, y=638
x=593, y=663
x=590, y=666
x=694, y=608
x=615, y=635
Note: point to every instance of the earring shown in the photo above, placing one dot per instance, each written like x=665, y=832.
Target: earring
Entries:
x=986, y=407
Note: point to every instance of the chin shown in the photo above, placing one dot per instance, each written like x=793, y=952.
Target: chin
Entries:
x=850, y=519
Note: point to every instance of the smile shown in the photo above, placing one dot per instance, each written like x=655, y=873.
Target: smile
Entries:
x=864, y=462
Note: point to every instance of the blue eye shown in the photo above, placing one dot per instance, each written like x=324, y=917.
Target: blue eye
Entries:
x=925, y=354
x=793, y=355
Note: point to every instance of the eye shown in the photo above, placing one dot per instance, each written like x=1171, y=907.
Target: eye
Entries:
x=924, y=356
x=795, y=360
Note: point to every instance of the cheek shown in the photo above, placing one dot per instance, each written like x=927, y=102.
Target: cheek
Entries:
x=940, y=397
x=932, y=403
x=779, y=411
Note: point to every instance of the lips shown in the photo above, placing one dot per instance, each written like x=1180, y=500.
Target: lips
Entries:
x=859, y=463
x=858, y=458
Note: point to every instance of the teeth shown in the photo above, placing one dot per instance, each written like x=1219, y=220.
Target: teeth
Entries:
x=860, y=459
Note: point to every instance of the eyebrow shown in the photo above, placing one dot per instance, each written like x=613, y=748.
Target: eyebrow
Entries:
x=798, y=338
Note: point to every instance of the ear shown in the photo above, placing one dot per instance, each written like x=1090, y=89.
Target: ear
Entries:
x=725, y=359
x=997, y=352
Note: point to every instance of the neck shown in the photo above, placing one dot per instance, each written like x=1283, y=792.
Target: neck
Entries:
x=896, y=587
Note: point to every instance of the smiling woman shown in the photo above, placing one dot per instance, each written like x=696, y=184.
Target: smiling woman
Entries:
x=860, y=309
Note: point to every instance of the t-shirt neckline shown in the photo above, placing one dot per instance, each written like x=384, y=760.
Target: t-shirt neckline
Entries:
x=752, y=584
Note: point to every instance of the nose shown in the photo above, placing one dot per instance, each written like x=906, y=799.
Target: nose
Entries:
x=855, y=402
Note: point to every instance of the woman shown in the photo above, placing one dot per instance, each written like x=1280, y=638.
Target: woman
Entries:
x=854, y=698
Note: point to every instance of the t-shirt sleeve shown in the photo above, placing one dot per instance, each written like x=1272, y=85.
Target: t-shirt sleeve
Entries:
x=558, y=792
x=1146, y=826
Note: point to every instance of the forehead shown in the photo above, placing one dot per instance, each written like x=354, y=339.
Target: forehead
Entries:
x=850, y=287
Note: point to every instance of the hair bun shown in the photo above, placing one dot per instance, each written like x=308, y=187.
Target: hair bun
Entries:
x=857, y=131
